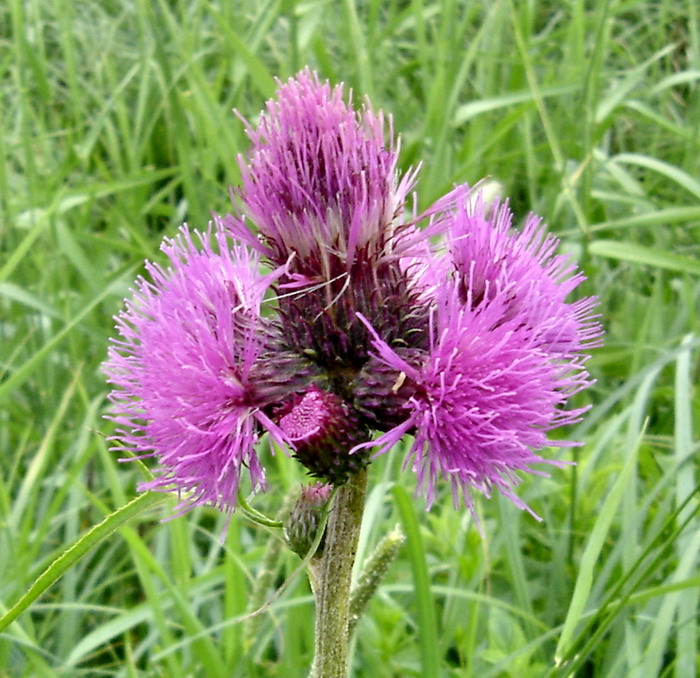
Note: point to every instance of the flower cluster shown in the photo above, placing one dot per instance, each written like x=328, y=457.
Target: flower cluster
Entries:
x=368, y=323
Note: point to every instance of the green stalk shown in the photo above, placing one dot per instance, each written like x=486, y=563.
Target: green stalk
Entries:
x=332, y=588
x=373, y=571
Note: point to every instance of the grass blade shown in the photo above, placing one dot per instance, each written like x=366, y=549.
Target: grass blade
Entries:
x=589, y=559
x=640, y=254
x=74, y=553
x=427, y=626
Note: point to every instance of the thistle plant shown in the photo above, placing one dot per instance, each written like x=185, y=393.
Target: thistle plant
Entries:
x=325, y=313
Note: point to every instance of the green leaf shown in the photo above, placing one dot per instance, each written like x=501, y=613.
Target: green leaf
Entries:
x=670, y=215
x=427, y=625
x=473, y=108
x=683, y=179
x=639, y=254
x=591, y=554
x=73, y=554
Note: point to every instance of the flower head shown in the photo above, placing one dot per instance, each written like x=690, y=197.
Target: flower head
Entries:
x=468, y=344
x=492, y=260
x=184, y=368
x=319, y=181
x=480, y=400
x=506, y=352
x=320, y=423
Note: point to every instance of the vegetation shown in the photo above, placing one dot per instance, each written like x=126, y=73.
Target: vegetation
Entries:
x=117, y=126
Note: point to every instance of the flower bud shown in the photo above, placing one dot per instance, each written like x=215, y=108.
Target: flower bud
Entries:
x=300, y=530
x=323, y=429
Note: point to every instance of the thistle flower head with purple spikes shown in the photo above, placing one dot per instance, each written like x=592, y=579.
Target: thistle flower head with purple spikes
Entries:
x=362, y=330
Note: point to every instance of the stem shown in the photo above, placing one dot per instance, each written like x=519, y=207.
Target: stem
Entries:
x=334, y=575
x=373, y=571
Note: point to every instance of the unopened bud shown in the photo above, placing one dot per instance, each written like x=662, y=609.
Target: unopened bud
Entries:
x=324, y=429
x=302, y=525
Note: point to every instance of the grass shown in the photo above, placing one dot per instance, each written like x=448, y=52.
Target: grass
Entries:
x=116, y=127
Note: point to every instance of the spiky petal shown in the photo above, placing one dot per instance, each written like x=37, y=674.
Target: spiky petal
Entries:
x=182, y=368
x=319, y=180
x=506, y=353
x=524, y=270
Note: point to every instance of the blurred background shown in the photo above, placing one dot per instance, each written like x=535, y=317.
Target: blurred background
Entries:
x=116, y=127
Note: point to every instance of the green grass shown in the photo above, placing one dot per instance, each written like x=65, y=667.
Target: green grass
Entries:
x=116, y=127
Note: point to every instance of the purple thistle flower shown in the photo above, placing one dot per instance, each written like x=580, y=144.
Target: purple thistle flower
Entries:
x=491, y=260
x=184, y=368
x=468, y=345
x=506, y=353
x=319, y=182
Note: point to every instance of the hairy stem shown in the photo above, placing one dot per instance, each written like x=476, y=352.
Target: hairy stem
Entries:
x=333, y=582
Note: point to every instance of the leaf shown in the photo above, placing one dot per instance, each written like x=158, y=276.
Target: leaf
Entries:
x=591, y=554
x=427, y=626
x=81, y=547
x=681, y=178
x=639, y=254
x=473, y=108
